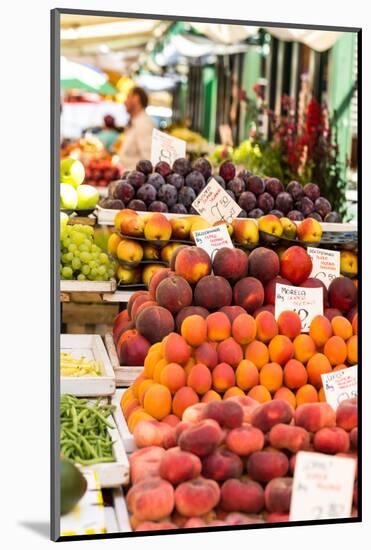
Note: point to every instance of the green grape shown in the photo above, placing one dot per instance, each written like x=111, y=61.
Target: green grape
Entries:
x=99, y=278
x=104, y=258
x=95, y=255
x=81, y=277
x=88, y=230
x=67, y=272
x=95, y=248
x=94, y=272
x=76, y=264
x=92, y=264
x=85, y=257
x=77, y=238
x=69, y=256
x=72, y=247
x=85, y=269
x=83, y=248
x=66, y=242
x=77, y=254
x=110, y=273
x=101, y=270
x=64, y=259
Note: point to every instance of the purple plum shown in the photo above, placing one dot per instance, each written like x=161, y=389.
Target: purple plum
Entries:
x=255, y=213
x=231, y=194
x=322, y=206
x=195, y=180
x=315, y=216
x=112, y=204
x=178, y=209
x=167, y=194
x=296, y=190
x=138, y=205
x=203, y=165
x=312, y=191
x=219, y=179
x=295, y=216
x=255, y=184
x=182, y=166
x=136, y=179
x=247, y=201
x=163, y=168
x=237, y=185
x=227, y=170
x=186, y=196
x=156, y=180
x=284, y=202
x=158, y=206
x=276, y=213
x=176, y=180
x=146, y=193
x=265, y=202
x=305, y=205
x=193, y=211
x=244, y=174
x=273, y=186
x=124, y=191
x=144, y=166
x=333, y=217
x=242, y=214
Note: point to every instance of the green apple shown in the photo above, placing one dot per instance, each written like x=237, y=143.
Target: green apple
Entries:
x=68, y=196
x=72, y=172
x=87, y=197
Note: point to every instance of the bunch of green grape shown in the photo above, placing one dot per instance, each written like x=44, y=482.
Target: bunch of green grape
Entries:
x=81, y=258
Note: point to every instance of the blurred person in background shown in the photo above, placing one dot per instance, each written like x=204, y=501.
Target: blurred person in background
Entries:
x=108, y=134
x=138, y=133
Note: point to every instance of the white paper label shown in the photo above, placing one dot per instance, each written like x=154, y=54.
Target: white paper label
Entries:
x=322, y=487
x=212, y=239
x=326, y=264
x=214, y=204
x=306, y=302
x=166, y=148
x=340, y=385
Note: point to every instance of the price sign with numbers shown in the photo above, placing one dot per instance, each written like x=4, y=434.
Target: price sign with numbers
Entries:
x=166, y=148
x=212, y=239
x=326, y=264
x=214, y=204
x=340, y=385
x=306, y=302
x=322, y=487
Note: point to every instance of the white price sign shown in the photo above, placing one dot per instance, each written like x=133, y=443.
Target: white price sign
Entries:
x=166, y=148
x=214, y=204
x=306, y=302
x=322, y=487
x=340, y=385
x=326, y=264
x=211, y=240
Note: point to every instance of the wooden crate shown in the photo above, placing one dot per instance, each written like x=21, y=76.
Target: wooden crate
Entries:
x=124, y=375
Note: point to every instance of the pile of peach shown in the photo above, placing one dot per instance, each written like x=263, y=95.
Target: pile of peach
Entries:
x=262, y=358
x=249, y=282
x=231, y=462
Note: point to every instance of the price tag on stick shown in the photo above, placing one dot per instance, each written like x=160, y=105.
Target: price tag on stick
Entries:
x=340, y=385
x=326, y=264
x=166, y=148
x=322, y=487
x=306, y=302
x=214, y=204
x=212, y=239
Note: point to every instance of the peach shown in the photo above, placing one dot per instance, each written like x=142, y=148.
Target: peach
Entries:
x=232, y=312
x=335, y=350
x=145, y=463
x=353, y=436
x=174, y=255
x=289, y=324
x=317, y=365
x=281, y=349
x=177, y=466
x=134, y=297
x=194, y=414
x=228, y=414
x=304, y=348
x=312, y=282
x=266, y=327
x=233, y=392
x=196, y=497
x=351, y=313
x=200, y=379
x=176, y=349
x=153, y=433
x=201, y=439
x=171, y=420
x=173, y=377
x=154, y=323
x=271, y=413
x=155, y=526
x=192, y=263
x=121, y=321
x=151, y=499
x=331, y=441
x=347, y=414
x=286, y=395
x=156, y=279
x=195, y=522
x=314, y=416
x=341, y=327
x=306, y=394
x=294, y=374
x=157, y=401
x=352, y=350
x=213, y=292
x=211, y=395
x=257, y=353
x=330, y=313
x=133, y=349
x=296, y=264
x=267, y=307
x=230, y=263
x=277, y=495
x=238, y=518
x=242, y=496
x=183, y=398
x=174, y=293
x=264, y=264
x=230, y=352
x=260, y=393
x=265, y=465
x=271, y=376
x=245, y=440
x=223, y=377
x=270, y=289
x=218, y=327
x=342, y=294
x=355, y=324
x=244, y=328
x=186, y=312
x=207, y=355
x=276, y=517
x=249, y=294
x=247, y=375
x=291, y=438
x=248, y=405
x=221, y=464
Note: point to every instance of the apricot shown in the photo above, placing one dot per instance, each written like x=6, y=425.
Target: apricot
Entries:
x=173, y=377
x=289, y=324
x=341, y=327
x=352, y=350
x=291, y=438
x=151, y=499
x=183, y=398
x=247, y=375
x=137, y=416
x=196, y=497
x=331, y=441
x=232, y=392
x=152, y=358
x=171, y=420
x=186, y=312
x=177, y=466
x=232, y=312
x=335, y=350
x=355, y=324
x=199, y=379
x=271, y=376
x=321, y=395
x=245, y=440
x=265, y=465
x=260, y=394
x=271, y=413
x=176, y=349
x=189, y=365
x=230, y=352
x=294, y=374
x=221, y=464
x=218, y=327
x=211, y=395
x=242, y=495
x=160, y=365
x=314, y=416
x=320, y=330
x=266, y=327
x=306, y=394
x=304, y=348
x=277, y=495
x=317, y=365
x=202, y=438
x=143, y=387
x=194, y=330
x=281, y=349
x=207, y=355
x=157, y=401
x=257, y=353
x=223, y=377
x=286, y=395
x=244, y=329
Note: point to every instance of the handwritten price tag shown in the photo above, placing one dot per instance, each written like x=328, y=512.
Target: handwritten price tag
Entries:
x=211, y=240
x=306, y=302
x=322, y=487
x=214, y=204
x=340, y=385
x=166, y=148
x=326, y=264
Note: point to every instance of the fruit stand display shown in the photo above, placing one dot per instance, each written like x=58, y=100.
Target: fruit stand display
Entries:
x=218, y=383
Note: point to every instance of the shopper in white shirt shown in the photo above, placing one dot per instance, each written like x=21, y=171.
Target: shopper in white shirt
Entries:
x=138, y=134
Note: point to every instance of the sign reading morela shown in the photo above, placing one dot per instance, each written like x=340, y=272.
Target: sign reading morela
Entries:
x=213, y=239
x=322, y=487
x=166, y=148
x=340, y=385
x=326, y=264
x=306, y=302
x=214, y=204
